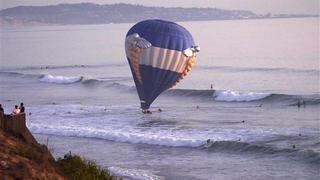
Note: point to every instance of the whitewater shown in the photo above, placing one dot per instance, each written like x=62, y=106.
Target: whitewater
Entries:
x=261, y=116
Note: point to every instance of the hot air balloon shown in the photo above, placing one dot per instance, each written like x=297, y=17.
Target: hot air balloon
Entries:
x=160, y=54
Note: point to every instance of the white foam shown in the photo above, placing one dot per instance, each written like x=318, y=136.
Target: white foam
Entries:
x=127, y=134
x=135, y=173
x=116, y=124
x=60, y=79
x=238, y=96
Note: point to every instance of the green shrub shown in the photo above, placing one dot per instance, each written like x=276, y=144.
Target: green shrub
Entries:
x=81, y=169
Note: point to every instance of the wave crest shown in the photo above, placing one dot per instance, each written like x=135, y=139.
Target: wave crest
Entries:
x=231, y=96
x=60, y=79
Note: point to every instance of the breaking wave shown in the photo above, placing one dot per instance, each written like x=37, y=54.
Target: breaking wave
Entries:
x=215, y=95
x=60, y=79
x=135, y=173
x=223, y=139
x=126, y=125
x=238, y=96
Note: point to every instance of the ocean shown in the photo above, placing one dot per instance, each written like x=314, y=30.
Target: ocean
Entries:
x=262, y=114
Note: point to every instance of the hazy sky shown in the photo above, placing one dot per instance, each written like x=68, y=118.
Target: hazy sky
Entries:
x=258, y=6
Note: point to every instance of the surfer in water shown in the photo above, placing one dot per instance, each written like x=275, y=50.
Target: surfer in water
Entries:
x=209, y=143
x=301, y=103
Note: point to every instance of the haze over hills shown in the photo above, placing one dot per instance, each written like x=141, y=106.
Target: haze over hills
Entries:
x=89, y=13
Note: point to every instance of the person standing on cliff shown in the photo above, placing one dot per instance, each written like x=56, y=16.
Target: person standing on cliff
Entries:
x=1, y=108
x=16, y=110
x=21, y=108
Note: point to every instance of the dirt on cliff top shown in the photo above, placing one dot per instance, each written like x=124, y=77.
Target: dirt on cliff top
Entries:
x=19, y=160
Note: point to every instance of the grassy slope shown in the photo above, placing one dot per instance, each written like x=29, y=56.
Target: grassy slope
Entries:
x=19, y=160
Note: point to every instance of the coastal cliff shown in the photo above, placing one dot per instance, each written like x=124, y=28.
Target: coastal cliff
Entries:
x=21, y=157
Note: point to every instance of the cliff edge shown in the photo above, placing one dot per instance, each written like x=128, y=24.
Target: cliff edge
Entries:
x=21, y=157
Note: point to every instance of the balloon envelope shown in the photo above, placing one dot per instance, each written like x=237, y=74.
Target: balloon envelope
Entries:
x=157, y=52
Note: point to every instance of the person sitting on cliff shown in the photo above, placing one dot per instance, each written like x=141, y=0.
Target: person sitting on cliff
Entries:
x=21, y=108
x=16, y=110
x=1, y=109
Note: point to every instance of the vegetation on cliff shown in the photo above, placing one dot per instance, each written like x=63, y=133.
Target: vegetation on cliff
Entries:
x=22, y=160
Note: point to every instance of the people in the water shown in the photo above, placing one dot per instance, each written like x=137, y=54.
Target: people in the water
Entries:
x=301, y=103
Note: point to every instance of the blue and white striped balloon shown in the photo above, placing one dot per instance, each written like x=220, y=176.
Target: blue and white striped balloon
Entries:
x=160, y=53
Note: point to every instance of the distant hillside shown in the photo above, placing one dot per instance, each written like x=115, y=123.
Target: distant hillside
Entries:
x=89, y=13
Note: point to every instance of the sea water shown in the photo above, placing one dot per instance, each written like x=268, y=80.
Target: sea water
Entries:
x=262, y=114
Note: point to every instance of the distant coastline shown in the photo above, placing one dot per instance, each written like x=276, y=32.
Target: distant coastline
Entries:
x=89, y=13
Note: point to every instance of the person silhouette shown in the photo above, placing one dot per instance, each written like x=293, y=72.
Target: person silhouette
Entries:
x=1, y=108
x=16, y=110
x=21, y=107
